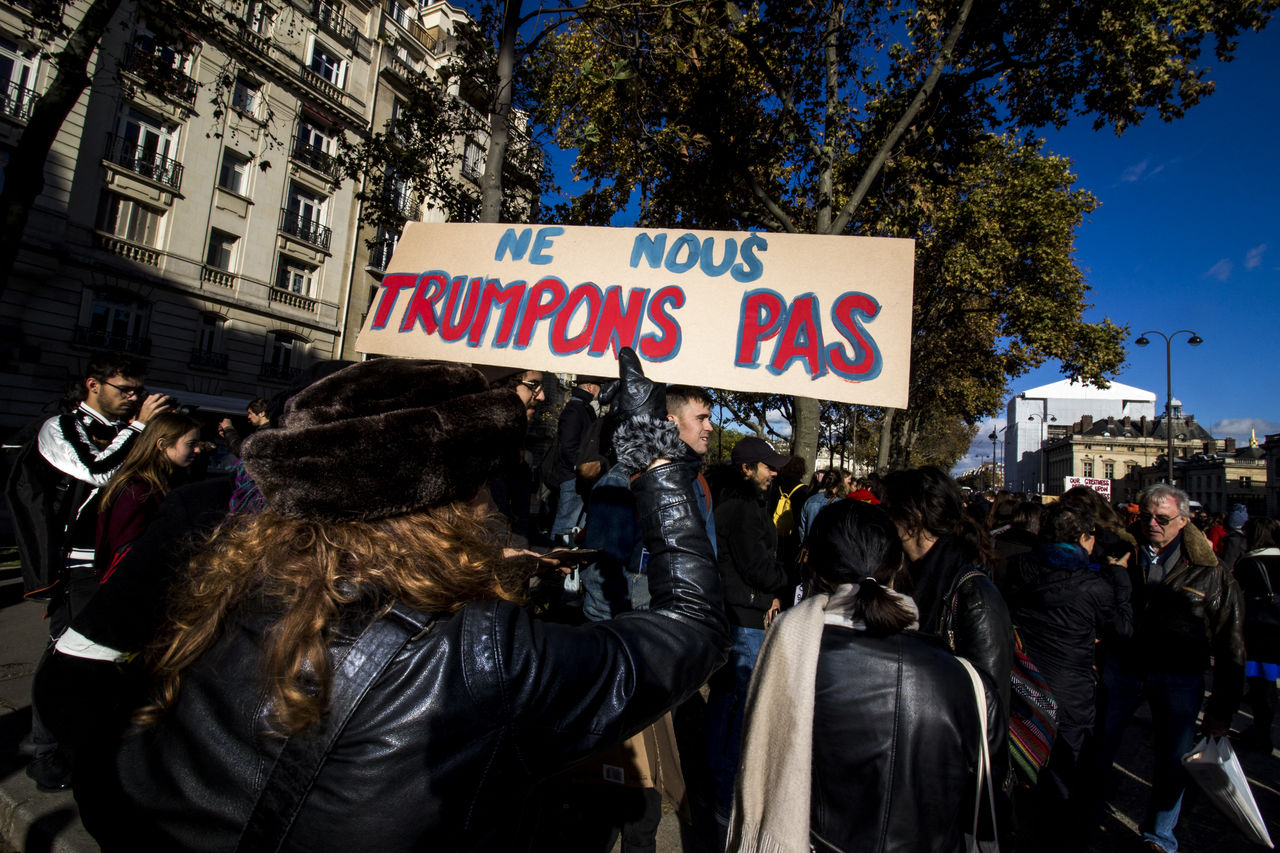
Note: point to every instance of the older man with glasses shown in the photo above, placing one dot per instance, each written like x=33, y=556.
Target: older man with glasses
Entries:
x=1187, y=609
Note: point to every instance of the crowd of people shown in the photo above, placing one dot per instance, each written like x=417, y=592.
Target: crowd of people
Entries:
x=366, y=637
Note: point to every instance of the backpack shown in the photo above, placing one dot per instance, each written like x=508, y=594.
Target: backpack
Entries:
x=784, y=517
x=42, y=503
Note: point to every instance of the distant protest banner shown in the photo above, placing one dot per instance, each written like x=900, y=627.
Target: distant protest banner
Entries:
x=816, y=316
x=1101, y=486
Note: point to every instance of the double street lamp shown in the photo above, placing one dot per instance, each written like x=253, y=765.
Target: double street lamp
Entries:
x=1195, y=341
x=1042, y=418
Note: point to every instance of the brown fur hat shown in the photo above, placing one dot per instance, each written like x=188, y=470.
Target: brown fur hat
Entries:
x=382, y=438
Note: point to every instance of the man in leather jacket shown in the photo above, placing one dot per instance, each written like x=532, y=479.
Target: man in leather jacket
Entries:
x=1186, y=608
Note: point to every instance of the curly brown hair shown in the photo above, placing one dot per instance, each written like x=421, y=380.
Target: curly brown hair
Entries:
x=307, y=575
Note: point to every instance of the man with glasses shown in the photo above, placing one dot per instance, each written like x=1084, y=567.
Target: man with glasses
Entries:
x=1186, y=608
x=51, y=492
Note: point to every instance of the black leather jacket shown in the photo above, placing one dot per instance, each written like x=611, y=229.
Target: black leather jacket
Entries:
x=895, y=744
x=444, y=750
x=1193, y=613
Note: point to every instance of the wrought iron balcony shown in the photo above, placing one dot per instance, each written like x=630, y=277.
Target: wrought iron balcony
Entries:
x=102, y=339
x=331, y=17
x=278, y=372
x=16, y=101
x=157, y=167
x=208, y=360
x=404, y=205
x=159, y=73
x=305, y=228
x=380, y=255
x=312, y=156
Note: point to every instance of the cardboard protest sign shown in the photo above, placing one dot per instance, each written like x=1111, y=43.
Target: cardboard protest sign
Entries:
x=1101, y=486
x=816, y=316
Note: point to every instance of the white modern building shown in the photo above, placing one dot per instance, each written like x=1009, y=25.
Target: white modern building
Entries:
x=1046, y=413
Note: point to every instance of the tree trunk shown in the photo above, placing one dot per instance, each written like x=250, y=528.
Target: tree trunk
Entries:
x=804, y=435
x=886, y=439
x=24, y=174
x=499, y=117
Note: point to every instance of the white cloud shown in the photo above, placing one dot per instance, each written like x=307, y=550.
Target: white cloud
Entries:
x=1221, y=270
x=1136, y=172
x=1253, y=257
x=1239, y=428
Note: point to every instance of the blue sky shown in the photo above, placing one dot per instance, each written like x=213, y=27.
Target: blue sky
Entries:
x=1188, y=237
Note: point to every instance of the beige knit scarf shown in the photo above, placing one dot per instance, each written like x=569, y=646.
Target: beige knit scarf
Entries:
x=771, y=795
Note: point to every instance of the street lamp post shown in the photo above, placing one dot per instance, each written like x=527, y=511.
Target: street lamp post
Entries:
x=995, y=457
x=1195, y=341
x=1042, y=417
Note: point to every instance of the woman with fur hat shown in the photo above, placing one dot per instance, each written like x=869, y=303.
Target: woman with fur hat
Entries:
x=351, y=669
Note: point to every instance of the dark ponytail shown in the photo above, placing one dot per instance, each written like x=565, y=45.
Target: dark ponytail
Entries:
x=856, y=543
x=882, y=610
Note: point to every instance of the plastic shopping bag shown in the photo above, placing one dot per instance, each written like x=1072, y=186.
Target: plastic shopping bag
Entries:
x=1213, y=764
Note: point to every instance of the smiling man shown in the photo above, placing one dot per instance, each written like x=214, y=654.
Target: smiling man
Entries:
x=1186, y=608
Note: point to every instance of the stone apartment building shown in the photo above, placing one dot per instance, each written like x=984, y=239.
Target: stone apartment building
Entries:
x=193, y=211
x=1120, y=448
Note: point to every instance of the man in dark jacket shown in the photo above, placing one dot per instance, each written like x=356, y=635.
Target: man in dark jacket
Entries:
x=575, y=419
x=747, y=553
x=1187, y=608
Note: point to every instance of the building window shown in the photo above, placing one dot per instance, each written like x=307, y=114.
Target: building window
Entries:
x=221, y=250
x=473, y=161
x=17, y=81
x=1088, y=468
x=1246, y=482
x=399, y=12
x=150, y=137
x=245, y=95
x=307, y=206
x=210, y=335
x=1109, y=470
x=233, y=175
x=129, y=220
x=117, y=321
x=260, y=16
x=296, y=276
x=1131, y=469
x=326, y=62
x=283, y=356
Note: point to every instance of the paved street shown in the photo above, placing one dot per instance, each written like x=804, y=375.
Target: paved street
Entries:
x=32, y=821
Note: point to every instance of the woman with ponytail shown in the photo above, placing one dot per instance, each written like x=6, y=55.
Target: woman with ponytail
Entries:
x=861, y=733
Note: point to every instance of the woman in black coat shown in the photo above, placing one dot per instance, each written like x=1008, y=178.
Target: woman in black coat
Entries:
x=1059, y=600
x=890, y=760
